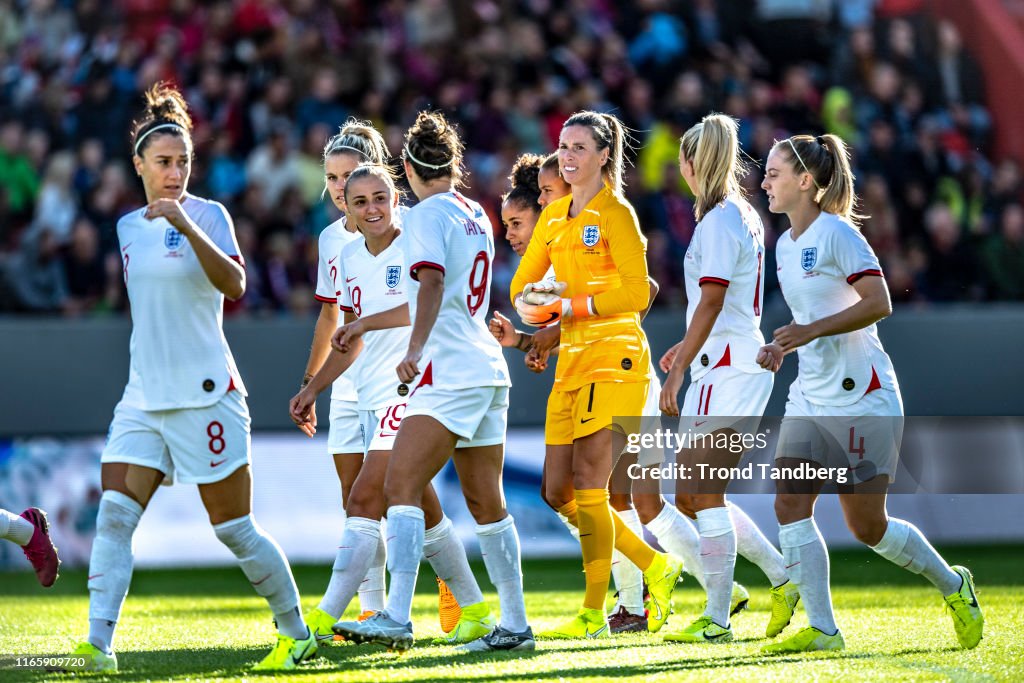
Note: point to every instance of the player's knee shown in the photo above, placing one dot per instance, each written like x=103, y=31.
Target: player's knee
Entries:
x=363, y=504
x=867, y=529
x=484, y=508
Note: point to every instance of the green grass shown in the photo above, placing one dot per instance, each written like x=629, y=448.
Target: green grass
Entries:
x=207, y=624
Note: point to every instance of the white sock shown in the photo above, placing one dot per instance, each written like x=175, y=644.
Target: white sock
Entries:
x=806, y=558
x=677, y=534
x=718, y=554
x=903, y=544
x=405, y=548
x=373, y=588
x=15, y=528
x=110, y=565
x=499, y=545
x=752, y=544
x=265, y=566
x=356, y=550
x=629, y=580
x=569, y=525
x=447, y=556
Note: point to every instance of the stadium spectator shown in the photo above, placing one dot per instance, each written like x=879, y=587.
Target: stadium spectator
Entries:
x=509, y=74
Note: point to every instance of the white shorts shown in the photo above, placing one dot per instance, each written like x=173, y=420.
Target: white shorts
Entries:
x=720, y=396
x=193, y=445
x=380, y=427
x=864, y=436
x=477, y=415
x=653, y=404
x=344, y=435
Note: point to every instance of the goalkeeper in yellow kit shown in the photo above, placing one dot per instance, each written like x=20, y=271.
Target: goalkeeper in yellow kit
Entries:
x=593, y=240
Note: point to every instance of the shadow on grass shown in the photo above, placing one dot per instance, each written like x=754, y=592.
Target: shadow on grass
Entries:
x=237, y=662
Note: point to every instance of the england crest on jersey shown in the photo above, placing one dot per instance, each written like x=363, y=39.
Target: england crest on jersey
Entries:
x=173, y=239
x=808, y=257
x=393, y=275
x=591, y=235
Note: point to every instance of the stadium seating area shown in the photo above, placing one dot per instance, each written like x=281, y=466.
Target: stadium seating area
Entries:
x=268, y=81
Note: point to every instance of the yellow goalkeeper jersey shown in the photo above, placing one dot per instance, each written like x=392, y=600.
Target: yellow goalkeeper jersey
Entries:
x=602, y=253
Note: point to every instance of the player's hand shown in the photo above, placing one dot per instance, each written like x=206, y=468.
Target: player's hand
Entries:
x=171, y=210
x=534, y=362
x=409, y=367
x=549, y=286
x=666, y=361
x=542, y=315
x=770, y=357
x=345, y=335
x=502, y=329
x=792, y=336
x=302, y=410
x=668, y=402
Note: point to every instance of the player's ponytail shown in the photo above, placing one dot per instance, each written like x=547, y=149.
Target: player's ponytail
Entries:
x=827, y=159
x=838, y=197
x=713, y=147
x=166, y=113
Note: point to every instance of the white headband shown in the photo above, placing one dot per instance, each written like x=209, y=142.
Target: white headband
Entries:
x=425, y=164
x=335, y=150
x=790, y=141
x=155, y=128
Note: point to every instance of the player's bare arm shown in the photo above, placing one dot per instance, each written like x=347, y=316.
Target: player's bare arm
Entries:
x=352, y=330
x=226, y=274
x=873, y=306
x=428, y=303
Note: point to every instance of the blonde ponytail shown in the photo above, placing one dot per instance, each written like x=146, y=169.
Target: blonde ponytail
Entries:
x=713, y=147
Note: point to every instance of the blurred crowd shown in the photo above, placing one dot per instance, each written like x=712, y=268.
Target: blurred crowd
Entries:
x=269, y=81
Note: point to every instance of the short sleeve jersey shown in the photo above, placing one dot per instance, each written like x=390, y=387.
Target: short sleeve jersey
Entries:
x=179, y=356
x=816, y=272
x=332, y=239
x=727, y=248
x=374, y=284
x=600, y=252
x=451, y=233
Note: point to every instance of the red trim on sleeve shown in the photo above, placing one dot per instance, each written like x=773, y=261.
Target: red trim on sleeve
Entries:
x=424, y=264
x=345, y=309
x=237, y=258
x=874, y=383
x=713, y=280
x=856, y=276
x=726, y=359
x=231, y=383
x=324, y=299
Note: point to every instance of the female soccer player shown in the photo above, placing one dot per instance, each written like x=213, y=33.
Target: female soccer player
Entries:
x=184, y=408
x=723, y=269
x=356, y=143
x=593, y=240
x=834, y=286
x=458, y=394
x=374, y=297
x=31, y=531
x=535, y=184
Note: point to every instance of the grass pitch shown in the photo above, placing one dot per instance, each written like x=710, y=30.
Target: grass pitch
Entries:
x=208, y=625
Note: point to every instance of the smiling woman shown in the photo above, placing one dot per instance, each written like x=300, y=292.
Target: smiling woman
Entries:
x=183, y=412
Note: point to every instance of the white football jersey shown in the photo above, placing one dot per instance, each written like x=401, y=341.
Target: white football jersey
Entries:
x=816, y=273
x=332, y=239
x=452, y=234
x=179, y=356
x=374, y=284
x=728, y=248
